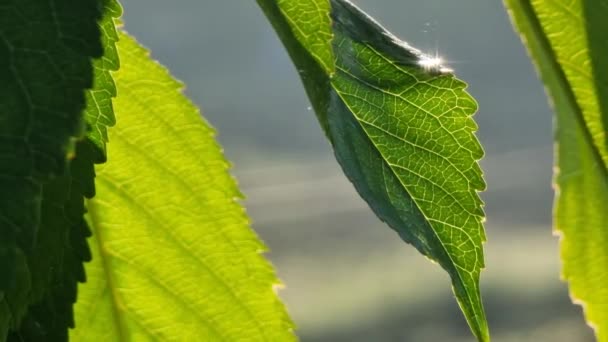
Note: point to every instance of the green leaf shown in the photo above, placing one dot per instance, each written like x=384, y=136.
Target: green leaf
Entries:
x=306, y=16
x=56, y=262
x=401, y=129
x=567, y=40
x=173, y=255
x=99, y=113
x=46, y=51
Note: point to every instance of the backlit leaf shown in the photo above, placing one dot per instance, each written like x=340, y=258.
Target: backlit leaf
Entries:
x=567, y=40
x=174, y=258
x=401, y=128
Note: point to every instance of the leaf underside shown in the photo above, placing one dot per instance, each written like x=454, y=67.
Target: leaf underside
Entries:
x=47, y=52
x=173, y=256
x=402, y=133
x=567, y=40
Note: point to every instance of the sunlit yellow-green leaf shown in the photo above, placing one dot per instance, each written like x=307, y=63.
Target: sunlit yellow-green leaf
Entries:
x=568, y=42
x=174, y=258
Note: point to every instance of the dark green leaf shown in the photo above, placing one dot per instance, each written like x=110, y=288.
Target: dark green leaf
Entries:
x=46, y=51
x=401, y=128
x=54, y=261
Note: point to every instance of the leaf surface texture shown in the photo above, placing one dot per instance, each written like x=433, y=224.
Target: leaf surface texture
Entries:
x=47, y=62
x=57, y=259
x=401, y=131
x=174, y=258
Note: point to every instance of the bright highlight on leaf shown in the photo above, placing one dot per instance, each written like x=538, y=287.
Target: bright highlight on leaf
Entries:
x=174, y=258
x=430, y=63
x=401, y=128
x=567, y=40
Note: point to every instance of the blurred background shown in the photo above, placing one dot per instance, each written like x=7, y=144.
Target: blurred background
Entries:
x=348, y=276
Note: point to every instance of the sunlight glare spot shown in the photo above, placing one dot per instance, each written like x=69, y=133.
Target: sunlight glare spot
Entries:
x=430, y=62
x=433, y=63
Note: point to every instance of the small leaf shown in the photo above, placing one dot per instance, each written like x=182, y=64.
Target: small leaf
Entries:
x=401, y=128
x=567, y=40
x=173, y=255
